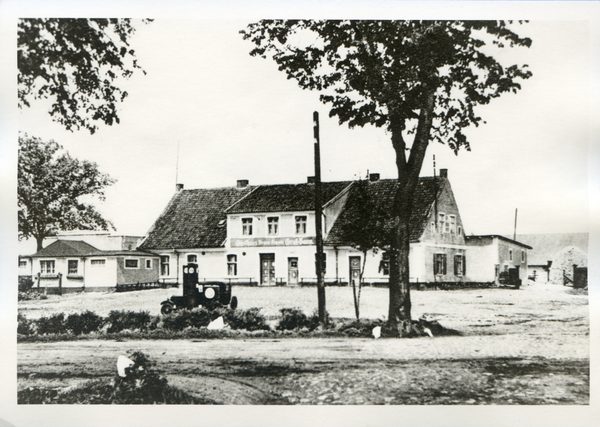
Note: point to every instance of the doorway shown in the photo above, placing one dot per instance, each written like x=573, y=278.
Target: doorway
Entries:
x=292, y=271
x=354, y=270
x=267, y=269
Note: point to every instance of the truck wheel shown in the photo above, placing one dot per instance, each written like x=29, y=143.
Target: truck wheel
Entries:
x=233, y=303
x=166, y=309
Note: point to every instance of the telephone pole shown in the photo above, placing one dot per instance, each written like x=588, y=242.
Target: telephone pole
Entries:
x=318, y=225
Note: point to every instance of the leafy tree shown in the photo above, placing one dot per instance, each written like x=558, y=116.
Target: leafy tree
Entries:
x=77, y=64
x=367, y=232
x=50, y=187
x=420, y=78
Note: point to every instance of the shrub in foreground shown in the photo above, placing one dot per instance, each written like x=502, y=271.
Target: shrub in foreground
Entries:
x=292, y=319
x=250, y=319
x=119, y=320
x=83, y=323
x=54, y=324
x=24, y=325
x=181, y=319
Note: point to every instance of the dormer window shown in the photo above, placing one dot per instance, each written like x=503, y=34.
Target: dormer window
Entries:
x=247, y=226
x=273, y=225
x=222, y=222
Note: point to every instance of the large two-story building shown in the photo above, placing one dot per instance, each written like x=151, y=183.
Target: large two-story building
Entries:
x=266, y=234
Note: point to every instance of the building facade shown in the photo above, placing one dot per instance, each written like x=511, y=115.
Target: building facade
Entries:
x=265, y=235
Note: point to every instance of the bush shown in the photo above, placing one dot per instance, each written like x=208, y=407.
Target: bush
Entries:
x=313, y=320
x=250, y=320
x=359, y=328
x=127, y=319
x=24, y=325
x=54, y=324
x=83, y=323
x=181, y=319
x=292, y=319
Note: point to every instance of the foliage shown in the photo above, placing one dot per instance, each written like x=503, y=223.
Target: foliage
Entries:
x=24, y=325
x=127, y=319
x=83, y=323
x=292, y=319
x=359, y=328
x=50, y=187
x=250, y=319
x=54, y=324
x=409, y=77
x=78, y=65
x=182, y=319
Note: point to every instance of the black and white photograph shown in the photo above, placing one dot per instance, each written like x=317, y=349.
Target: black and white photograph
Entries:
x=231, y=213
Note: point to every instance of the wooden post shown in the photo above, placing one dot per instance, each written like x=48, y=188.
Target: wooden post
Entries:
x=59, y=283
x=318, y=225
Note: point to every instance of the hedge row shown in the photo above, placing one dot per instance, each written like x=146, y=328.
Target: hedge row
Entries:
x=252, y=320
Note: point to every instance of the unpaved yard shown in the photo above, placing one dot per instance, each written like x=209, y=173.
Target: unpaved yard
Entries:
x=527, y=346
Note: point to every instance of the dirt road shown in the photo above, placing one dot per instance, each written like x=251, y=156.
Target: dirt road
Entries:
x=441, y=370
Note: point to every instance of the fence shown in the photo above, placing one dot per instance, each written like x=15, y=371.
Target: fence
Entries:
x=128, y=287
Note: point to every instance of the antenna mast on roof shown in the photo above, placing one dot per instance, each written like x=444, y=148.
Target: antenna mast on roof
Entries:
x=177, y=165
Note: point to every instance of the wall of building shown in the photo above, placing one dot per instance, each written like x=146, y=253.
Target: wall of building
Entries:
x=482, y=257
x=436, y=230
x=518, y=258
x=100, y=275
x=136, y=275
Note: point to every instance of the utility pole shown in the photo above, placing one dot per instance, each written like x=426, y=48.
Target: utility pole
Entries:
x=515, y=233
x=319, y=230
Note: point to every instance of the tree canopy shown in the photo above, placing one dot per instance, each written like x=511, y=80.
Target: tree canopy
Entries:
x=77, y=64
x=50, y=189
x=423, y=78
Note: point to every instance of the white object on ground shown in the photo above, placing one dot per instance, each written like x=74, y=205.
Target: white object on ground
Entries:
x=376, y=332
x=123, y=363
x=218, y=323
x=428, y=332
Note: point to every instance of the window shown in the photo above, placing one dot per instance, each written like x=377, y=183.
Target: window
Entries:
x=510, y=255
x=301, y=224
x=247, y=226
x=232, y=265
x=522, y=256
x=22, y=263
x=441, y=220
x=164, y=265
x=452, y=224
x=459, y=230
x=384, y=264
x=439, y=263
x=132, y=263
x=496, y=270
x=459, y=265
x=273, y=225
x=47, y=267
x=148, y=263
x=433, y=227
x=192, y=258
x=72, y=266
x=98, y=262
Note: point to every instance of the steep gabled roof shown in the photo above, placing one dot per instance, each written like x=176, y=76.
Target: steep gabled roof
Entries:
x=546, y=246
x=66, y=248
x=286, y=197
x=382, y=192
x=194, y=219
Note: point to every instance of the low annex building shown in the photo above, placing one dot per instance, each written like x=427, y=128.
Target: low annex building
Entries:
x=266, y=235
x=71, y=264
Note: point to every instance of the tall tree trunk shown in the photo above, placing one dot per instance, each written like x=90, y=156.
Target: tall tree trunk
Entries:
x=39, y=241
x=399, y=315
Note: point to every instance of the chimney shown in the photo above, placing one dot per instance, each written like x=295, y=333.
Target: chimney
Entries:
x=310, y=180
x=178, y=187
x=443, y=173
x=373, y=177
x=242, y=183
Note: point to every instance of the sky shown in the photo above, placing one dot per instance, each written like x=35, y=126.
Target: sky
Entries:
x=231, y=116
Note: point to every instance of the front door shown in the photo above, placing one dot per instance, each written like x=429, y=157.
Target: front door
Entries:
x=267, y=269
x=292, y=271
x=354, y=270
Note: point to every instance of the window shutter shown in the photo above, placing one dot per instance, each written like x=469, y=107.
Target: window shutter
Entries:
x=456, y=265
x=464, y=265
x=444, y=264
x=435, y=264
